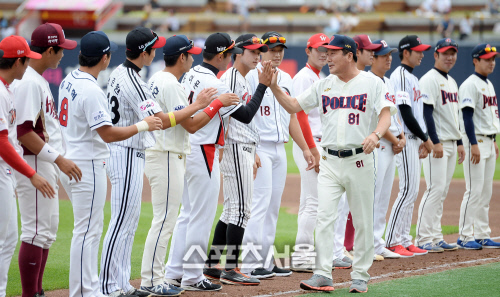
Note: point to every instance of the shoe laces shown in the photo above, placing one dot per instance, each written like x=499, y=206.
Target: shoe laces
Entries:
x=204, y=282
x=358, y=282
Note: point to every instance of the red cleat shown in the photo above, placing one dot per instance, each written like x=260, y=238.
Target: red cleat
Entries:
x=399, y=249
x=415, y=250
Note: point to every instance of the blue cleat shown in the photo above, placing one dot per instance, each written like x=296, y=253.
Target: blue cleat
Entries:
x=469, y=245
x=446, y=246
x=488, y=243
x=431, y=248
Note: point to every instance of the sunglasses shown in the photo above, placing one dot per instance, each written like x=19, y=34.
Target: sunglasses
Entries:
x=187, y=47
x=490, y=49
x=253, y=40
x=322, y=49
x=228, y=48
x=151, y=42
x=275, y=39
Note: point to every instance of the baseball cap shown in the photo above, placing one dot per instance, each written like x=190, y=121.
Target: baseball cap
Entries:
x=445, y=44
x=1, y=53
x=96, y=43
x=484, y=51
x=317, y=40
x=412, y=42
x=17, y=47
x=342, y=42
x=50, y=34
x=364, y=42
x=179, y=44
x=385, y=49
x=140, y=38
x=251, y=42
x=273, y=39
x=218, y=43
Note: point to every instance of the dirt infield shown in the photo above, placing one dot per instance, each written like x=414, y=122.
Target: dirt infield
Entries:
x=380, y=271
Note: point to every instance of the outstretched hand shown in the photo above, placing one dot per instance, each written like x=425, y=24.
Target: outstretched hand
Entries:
x=266, y=75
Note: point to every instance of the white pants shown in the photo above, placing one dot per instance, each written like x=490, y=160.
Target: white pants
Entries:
x=438, y=174
x=386, y=169
x=126, y=173
x=87, y=197
x=268, y=188
x=474, y=218
x=8, y=222
x=165, y=172
x=340, y=226
x=355, y=176
x=199, y=204
x=39, y=215
x=409, y=167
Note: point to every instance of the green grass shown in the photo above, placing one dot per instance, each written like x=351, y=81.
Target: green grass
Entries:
x=471, y=281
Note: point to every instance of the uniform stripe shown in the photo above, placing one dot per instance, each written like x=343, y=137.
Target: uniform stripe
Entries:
x=238, y=184
x=88, y=226
x=208, y=152
x=470, y=186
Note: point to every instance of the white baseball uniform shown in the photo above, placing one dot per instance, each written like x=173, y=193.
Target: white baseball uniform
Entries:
x=441, y=91
x=407, y=91
x=165, y=169
x=39, y=216
x=201, y=183
x=130, y=101
x=83, y=109
x=272, y=121
x=479, y=94
x=349, y=113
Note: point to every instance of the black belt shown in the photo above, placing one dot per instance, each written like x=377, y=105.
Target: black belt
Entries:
x=492, y=136
x=344, y=153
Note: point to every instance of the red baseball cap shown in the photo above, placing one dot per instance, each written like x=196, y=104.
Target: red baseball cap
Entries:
x=318, y=40
x=50, y=34
x=16, y=47
x=364, y=42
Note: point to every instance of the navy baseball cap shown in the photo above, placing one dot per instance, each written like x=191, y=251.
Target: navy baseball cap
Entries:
x=413, y=43
x=342, y=42
x=179, y=44
x=484, y=51
x=385, y=49
x=96, y=44
x=445, y=44
x=273, y=39
x=251, y=41
x=141, y=38
x=218, y=43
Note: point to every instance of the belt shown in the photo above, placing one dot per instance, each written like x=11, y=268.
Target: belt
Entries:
x=344, y=153
x=492, y=136
x=317, y=139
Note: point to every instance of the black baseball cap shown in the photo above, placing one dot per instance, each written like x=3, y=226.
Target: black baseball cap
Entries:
x=273, y=39
x=179, y=44
x=251, y=42
x=484, y=51
x=96, y=44
x=218, y=43
x=342, y=42
x=445, y=44
x=141, y=38
x=413, y=43
x=385, y=49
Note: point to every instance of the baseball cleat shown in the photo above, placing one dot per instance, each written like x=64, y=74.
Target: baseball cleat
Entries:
x=488, y=243
x=446, y=246
x=281, y=272
x=347, y=259
x=378, y=257
x=262, y=273
x=162, y=290
x=120, y=293
x=174, y=281
x=235, y=277
x=348, y=254
x=339, y=264
x=469, y=245
x=203, y=285
x=416, y=251
x=431, y=248
x=318, y=283
x=302, y=267
x=138, y=293
x=399, y=249
x=212, y=273
x=358, y=286
x=387, y=254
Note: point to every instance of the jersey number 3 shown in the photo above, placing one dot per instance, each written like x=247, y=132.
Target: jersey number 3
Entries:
x=114, y=109
x=63, y=114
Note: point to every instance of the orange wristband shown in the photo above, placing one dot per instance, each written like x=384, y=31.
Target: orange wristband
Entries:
x=213, y=108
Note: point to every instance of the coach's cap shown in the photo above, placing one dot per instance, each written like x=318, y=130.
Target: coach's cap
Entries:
x=179, y=44
x=273, y=39
x=50, y=34
x=364, y=42
x=385, y=49
x=218, y=43
x=317, y=40
x=96, y=44
x=342, y=42
x=140, y=39
x=445, y=44
x=17, y=47
x=251, y=42
x=413, y=43
x=484, y=51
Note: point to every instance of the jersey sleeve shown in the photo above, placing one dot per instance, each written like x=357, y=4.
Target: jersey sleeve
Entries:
x=225, y=111
x=96, y=111
x=383, y=98
x=310, y=98
x=401, y=87
x=467, y=95
x=430, y=90
x=139, y=97
x=28, y=96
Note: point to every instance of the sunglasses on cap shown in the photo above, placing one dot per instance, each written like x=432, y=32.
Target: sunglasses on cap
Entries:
x=275, y=39
x=322, y=49
x=490, y=49
x=254, y=40
x=151, y=42
x=187, y=47
x=228, y=48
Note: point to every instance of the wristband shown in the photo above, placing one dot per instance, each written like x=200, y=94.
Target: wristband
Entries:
x=213, y=108
x=172, y=119
x=48, y=154
x=142, y=126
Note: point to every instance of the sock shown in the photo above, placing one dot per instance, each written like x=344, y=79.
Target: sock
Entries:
x=349, y=234
x=234, y=236
x=45, y=254
x=30, y=260
x=218, y=244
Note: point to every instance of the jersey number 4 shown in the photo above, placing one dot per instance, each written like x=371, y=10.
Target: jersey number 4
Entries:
x=63, y=114
x=113, y=102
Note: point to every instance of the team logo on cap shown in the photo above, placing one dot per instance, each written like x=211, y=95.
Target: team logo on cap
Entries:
x=221, y=48
x=448, y=40
x=20, y=52
x=53, y=39
x=384, y=44
x=418, y=39
x=322, y=37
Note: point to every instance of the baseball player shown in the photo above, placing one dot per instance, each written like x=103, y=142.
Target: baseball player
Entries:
x=14, y=57
x=86, y=127
x=166, y=160
x=275, y=125
x=237, y=163
x=440, y=97
x=351, y=102
x=418, y=145
x=479, y=107
x=130, y=100
x=39, y=133
x=390, y=145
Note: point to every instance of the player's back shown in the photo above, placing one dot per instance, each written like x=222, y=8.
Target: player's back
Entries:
x=82, y=109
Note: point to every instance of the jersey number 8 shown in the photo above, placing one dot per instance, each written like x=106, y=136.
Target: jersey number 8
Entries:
x=63, y=114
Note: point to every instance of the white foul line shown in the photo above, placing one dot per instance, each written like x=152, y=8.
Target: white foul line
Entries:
x=390, y=274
